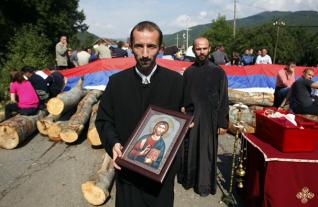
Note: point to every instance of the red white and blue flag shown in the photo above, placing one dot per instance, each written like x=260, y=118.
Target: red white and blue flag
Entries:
x=256, y=78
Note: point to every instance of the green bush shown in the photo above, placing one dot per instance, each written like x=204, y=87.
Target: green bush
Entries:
x=27, y=47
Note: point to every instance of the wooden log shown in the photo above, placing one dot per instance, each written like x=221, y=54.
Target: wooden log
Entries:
x=92, y=134
x=75, y=125
x=64, y=101
x=96, y=191
x=45, y=123
x=54, y=130
x=251, y=98
x=310, y=117
x=17, y=129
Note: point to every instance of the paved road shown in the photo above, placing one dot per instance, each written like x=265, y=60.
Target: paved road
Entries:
x=44, y=173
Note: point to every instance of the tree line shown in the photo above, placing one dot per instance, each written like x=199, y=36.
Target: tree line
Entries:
x=294, y=43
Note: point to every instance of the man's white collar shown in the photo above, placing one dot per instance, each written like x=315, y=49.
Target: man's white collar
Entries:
x=146, y=79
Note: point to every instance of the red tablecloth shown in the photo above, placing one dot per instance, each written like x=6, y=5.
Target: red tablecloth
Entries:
x=276, y=179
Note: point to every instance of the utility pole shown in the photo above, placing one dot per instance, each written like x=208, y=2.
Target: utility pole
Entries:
x=234, y=20
x=187, y=24
x=278, y=24
x=177, y=40
x=187, y=36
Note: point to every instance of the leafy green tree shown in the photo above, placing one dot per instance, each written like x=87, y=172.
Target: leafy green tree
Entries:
x=27, y=47
x=307, y=42
x=221, y=32
x=51, y=17
x=264, y=36
x=293, y=43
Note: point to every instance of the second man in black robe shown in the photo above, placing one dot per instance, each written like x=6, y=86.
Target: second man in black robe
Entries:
x=206, y=97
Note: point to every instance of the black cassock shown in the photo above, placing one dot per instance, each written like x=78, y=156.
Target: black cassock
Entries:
x=121, y=108
x=206, y=97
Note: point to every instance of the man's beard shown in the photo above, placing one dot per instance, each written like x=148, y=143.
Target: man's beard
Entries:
x=145, y=65
x=201, y=58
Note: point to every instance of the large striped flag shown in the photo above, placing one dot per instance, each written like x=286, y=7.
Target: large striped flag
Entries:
x=256, y=78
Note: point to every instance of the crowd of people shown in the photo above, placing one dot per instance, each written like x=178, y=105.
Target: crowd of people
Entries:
x=69, y=58
x=66, y=57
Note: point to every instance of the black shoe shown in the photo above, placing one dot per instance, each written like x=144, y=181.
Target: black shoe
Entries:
x=204, y=194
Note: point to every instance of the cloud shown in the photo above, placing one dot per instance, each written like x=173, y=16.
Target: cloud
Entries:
x=203, y=15
x=113, y=18
x=286, y=5
x=183, y=21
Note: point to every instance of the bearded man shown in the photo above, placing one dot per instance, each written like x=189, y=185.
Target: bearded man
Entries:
x=128, y=94
x=206, y=97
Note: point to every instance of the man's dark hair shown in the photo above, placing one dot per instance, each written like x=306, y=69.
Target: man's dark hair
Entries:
x=51, y=67
x=29, y=69
x=290, y=62
x=146, y=25
x=120, y=44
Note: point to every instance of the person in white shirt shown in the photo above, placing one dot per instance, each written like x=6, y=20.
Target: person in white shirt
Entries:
x=83, y=57
x=263, y=58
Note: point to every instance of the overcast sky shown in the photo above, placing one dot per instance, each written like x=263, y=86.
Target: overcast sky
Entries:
x=115, y=18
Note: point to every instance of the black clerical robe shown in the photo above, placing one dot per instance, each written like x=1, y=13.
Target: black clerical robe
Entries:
x=206, y=97
x=121, y=108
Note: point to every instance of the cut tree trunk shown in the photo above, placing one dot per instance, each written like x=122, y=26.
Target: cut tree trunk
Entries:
x=96, y=192
x=17, y=129
x=64, y=101
x=310, y=117
x=92, y=134
x=251, y=98
x=45, y=123
x=54, y=130
x=74, y=126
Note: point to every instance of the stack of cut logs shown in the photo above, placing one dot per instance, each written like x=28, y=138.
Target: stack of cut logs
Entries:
x=18, y=128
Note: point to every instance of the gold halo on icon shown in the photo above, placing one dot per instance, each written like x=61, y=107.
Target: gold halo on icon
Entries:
x=159, y=118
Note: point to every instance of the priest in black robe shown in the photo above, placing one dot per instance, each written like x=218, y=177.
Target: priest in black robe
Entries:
x=206, y=97
x=127, y=96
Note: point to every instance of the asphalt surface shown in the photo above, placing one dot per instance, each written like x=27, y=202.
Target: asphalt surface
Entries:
x=44, y=173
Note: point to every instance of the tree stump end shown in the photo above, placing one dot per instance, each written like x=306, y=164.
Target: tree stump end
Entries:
x=68, y=135
x=93, y=194
x=54, y=132
x=55, y=106
x=9, y=138
x=93, y=137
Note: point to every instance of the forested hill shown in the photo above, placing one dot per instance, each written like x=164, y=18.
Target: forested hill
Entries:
x=307, y=19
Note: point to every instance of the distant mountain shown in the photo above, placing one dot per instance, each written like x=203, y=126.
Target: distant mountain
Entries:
x=84, y=36
x=292, y=19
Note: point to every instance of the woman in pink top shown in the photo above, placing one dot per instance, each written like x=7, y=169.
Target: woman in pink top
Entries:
x=285, y=78
x=23, y=97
